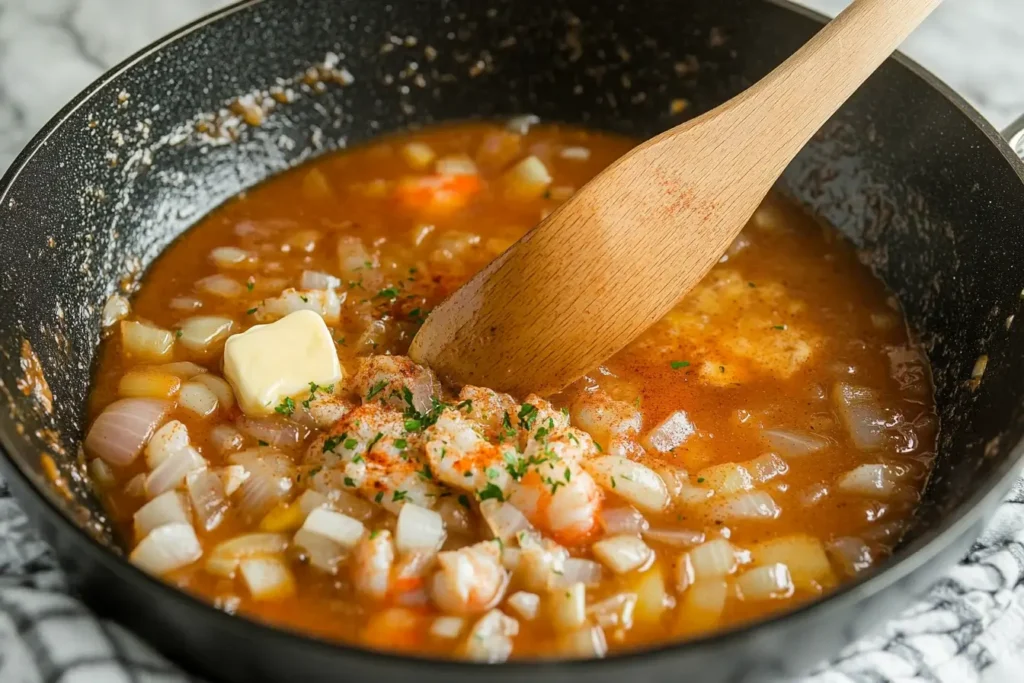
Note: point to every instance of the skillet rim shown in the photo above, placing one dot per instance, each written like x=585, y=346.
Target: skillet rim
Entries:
x=902, y=563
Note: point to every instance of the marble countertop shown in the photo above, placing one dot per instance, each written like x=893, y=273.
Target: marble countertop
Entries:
x=51, y=49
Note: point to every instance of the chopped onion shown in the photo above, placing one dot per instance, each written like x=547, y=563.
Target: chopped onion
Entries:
x=726, y=479
x=490, y=639
x=183, y=369
x=320, y=551
x=271, y=477
x=101, y=474
x=197, y=399
x=166, y=441
x=223, y=561
x=233, y=477
x=315, y=279
x=353, y=506
x=146, y=342
x=455, y=164
x=803, y=555
x=713, y=559
x=268, y=578
x=447, y=627
x=614, y=612
x=676, y=538
x=418, y=156
x=185, y=303
x=503, y=519
x=526, y=180
x=684, y=574
x=568, y=607
x=456, y=517
x=324, y=302
x=525, y=604
x=166, y=548
x=275, y=431
x=622, y=520
x=225, y=438
x=622, y=554
x=335, y=526
x=206, y=491
x=575, y=153
x=167, y=508
x=311, y=500
x=586, y=643
x=632, y=481
x=791, y=443
x=124, y=427
x=204, y=333
x=814, y=494
x=220, y=285
x=145, y=384
x=231, y=257
x=671, y=433
x=750, y=505
x=171, y=472
x=769, y=582
x=651, y=597
x=577, y=570
x=115, y=309
x=851, y=555
x=702, y=605
x=521, y=124
x=861, y=414
x=876, y=481
x=766, y=467
x=136, y=486
x=419, y=529
x=220, y=388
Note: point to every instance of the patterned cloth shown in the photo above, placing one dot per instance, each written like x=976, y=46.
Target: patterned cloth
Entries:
x=969, y=628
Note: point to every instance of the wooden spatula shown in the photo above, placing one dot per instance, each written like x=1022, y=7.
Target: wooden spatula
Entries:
x=614, y=258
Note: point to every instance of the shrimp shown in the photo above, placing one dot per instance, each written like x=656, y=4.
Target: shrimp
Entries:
x=462, y=458
x=396, y=381
x=536, y=418
x=372, y=560
x=369, y=451
x=614, y=424
x=553, y=490
x=492, y=412
x=469, y=580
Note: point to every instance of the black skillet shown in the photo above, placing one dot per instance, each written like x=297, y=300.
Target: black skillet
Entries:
x=929, y=192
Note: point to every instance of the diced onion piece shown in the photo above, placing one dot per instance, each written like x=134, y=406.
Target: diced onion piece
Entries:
x=684, y=574
x=861, y=414
x=521, y=124
x=876, y=481
x=206, y=492
x=456, y=517
x=622, y=554
x=183, y=369
x=231, y=257
x=311, y=500
x=676, y=538
x=701, y=606
x=770, y=582
x=525, y=604
x=503, y=519
x=124, y=427
x=115, y=309
x=577, y=570
x=342, y=529
x=353, y=506
x=172, y=471
x=804, y=555
x=185, y=303
x=314, y=279
x=268, y=578
x=851, y=555
x=146, y=342
x=417, y=155
x=167, y=508
x=223, y=561
x=526, y=180
x=670, y=433
x=713, y=559
x=220, y=285
x=510, y=558
x=585, y=643
x=766, y=467
x=791, y=443
x=652, y=598
x=614, y=612
x=197, y=399
x=166, y=548
x=136, y=486
x=321, y=552
x=455, y=164
x=271, y=477
x=225, y=438
x=447, y=628
x=144, y=384
x=166, y=441
x=418, y=530
x=634, y=482
x=220, y=388
x=204, y=333
x=233, y=477
x=568, y=607
x=101, y=474
x=622, y=520
x=275, y=431
x=727, y=478
x=575, y=153
x=490, y=639
x=750, y=505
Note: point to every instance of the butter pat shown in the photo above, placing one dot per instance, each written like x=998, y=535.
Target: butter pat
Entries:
x=268, y=363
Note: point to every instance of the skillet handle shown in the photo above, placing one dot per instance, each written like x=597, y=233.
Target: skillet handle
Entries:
x=1014, y=134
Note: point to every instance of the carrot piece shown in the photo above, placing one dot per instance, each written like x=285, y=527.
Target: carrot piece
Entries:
x=437, y=192
x=395, y=628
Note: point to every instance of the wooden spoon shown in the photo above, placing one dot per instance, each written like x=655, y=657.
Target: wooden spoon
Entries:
x=619, y=254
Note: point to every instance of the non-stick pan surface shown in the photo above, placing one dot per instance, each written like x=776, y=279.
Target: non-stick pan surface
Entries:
x=917, y=180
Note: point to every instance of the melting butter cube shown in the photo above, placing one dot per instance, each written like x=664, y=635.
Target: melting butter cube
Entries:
x=268, y=363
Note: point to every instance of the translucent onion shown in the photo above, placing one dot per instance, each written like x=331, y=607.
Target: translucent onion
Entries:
x=275, y=431
x=206, y=492
x=632, y=481
x=203, y=334
x=804, y=556
x=861, y=414
x=101, y=474
x=577, y=570
x=233, y=477
x=585, y=643
x=166, y=548
x=319, y=551
x=197, y=399
x=851, y=555
x=170, y=473
x=751, y=505
x=225, y=438
x=651, y=597
x=231, y=257
x=671, y=433
x=223, y=560
x=220, y=388
x=766, y=467
x=166, y=441
x=526, y=180
x=676, y=538
x=419, y=529
x=713, y=559
x=447, y=628
x=123, y=428
x=701, y=606
x=524, y=604
x=268, y=578
x=770, y=582
x=614, y=612
x=220, y=285
x=568, y=607
x=185, y=303
x=876, y=481
x=490, y=639
x=622, y=520
x=791, y=443
x=503, y=519
x=315, y=279
x=342, y=529
x=145, y=342
x=271, y=477
x=351, y=505
x=311, y=500
x=167, y=508
x=456, y=516
x=727, y=478
x=183, y=369
x=455, y=164
x=623, y=554
x=115, y=309
x=574, y=153
x=148, y=385
x=510, y=558
x=136, y=486
x=417, y=155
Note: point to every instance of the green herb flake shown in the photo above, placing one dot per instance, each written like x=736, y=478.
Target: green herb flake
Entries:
x=305, y=299
x=286, y=407
x=614, y=485
x=700, y=480
x=779, y=327
x=349, y=483
x=350, y=443
x=357, y=459
x=413, y=425
x=250, y=311
x=250, y=284
x=464, y=501
x=388, y=293
x=466, y=405
x=677, y=364
x=491, y=491
x=379, y=497
x=376, y=389
x=378, y=437
x=398, y=496
x=425, y=473
x=261, y=442
x=401, y=444
x=527, y=415
x=331, y=442
x=178, y=333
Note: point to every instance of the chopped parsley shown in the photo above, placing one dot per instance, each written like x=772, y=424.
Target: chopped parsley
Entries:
x=425, y=473
x=506, y=425
x=349, y=483
x=305, y=299
x=286, y=407
x=677, y=364
x=376, y=389
x=614, y=485
x=527, y=414
x=340, y=340
x=350, y=443
x=418, y=316
x=412, y=425
x=464, y=501
x=375, y=532
x=357, y=459
x=779, y=327
x=261, y=442
x=401, y=443
x=331, y=442
x=700, y=480
x=466, y=405
x=572, y=437
x=178, y=333
x=313, y=472
x=598, y=447
x=541, y=433
x=397, y=496
x=568, y=475
x=388, y=293
x=250, y=284
x=379, y=497
x=378, y=437
x=751, y=284
x=491, y=491
x=250, y=311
